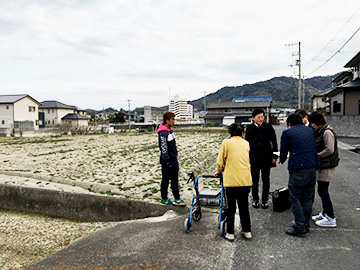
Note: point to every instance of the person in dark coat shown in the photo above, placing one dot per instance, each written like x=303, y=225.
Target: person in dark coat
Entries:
x=262, y=139
x=298, y=141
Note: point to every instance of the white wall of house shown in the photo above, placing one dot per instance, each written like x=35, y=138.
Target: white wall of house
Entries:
x=27, y=110
x=76, y=122
x=6, y=115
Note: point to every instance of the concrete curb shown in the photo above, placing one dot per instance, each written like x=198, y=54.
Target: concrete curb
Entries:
x=78, y=206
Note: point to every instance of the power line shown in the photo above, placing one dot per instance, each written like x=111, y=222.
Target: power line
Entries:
x=338, y=51
x=312, y=60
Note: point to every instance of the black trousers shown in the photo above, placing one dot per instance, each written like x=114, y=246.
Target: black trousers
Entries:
x=323, y=191
x=239, y=194
x=265, y=177
x=170, y=173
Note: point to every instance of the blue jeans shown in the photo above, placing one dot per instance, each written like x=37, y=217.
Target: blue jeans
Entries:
x=301, y=189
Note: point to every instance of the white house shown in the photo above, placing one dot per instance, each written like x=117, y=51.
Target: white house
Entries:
x=74, y=119
x=54, y=111
x=18, y=113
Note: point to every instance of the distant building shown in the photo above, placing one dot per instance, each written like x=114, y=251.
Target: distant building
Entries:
x=345, y=97
x=237, y=111
x=153, y=114
x=180, y=107
x=18, y=113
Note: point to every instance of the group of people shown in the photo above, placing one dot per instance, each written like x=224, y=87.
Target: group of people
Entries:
x=310, y=145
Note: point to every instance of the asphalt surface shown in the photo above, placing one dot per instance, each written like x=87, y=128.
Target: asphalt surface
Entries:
x=159, y=243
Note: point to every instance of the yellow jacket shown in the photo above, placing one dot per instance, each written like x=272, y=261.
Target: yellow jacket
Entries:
x=233, y=159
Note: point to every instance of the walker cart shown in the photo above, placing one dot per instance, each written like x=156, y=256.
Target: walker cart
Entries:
x=199, y=196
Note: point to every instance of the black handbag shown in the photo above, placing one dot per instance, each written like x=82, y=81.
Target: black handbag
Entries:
x=280, y=200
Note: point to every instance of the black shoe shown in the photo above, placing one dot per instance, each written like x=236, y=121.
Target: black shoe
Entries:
x=264, y=205
x=295, y=232
x=307, y=228
x=256, y=203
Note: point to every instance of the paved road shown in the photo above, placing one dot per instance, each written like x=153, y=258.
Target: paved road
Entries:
x=154, y=244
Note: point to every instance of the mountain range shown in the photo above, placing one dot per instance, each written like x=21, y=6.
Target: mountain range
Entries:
x=284, y=91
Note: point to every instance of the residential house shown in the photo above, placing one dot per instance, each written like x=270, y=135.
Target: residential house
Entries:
x=74, y=119
x=345, y=97
x=18, y=113
x=105, y=114
x=55, y=113
x=237, y=111
x=320, y=101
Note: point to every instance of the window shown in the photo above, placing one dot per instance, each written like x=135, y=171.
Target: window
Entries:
x=48, y=110
x=7, y=107
x=336, y=107
x=228, y=110
x=53, y=122
x=31, y=109
x=3, y=122
x=52, y=111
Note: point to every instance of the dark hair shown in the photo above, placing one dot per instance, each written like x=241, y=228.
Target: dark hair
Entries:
x=167, y=116
x=301, y=112
x=294, y=119
x=257, y=111
x=235, y=130
x=317, y=118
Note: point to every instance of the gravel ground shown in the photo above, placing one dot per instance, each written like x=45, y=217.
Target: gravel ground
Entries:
x=27, y=238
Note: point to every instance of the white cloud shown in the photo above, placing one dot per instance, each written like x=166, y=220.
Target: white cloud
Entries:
x=101, y=53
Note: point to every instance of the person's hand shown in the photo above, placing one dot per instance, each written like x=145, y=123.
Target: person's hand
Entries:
x=215, y=173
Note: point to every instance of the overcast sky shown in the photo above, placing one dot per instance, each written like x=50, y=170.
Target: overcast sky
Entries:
x=101, y=53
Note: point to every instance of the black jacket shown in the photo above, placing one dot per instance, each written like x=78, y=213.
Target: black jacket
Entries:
x=167, y=145
x=263, y=143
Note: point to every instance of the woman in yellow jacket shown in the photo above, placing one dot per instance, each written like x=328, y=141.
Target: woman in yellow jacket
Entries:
x=233, y=160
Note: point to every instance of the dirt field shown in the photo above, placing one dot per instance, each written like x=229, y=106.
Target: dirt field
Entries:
x=125, y=165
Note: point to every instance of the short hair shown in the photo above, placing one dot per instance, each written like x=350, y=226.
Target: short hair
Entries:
x=167, y=116
x=257, y=111
x=317, y=118
x=294, y=119
x=301, y=112
x=235, y=130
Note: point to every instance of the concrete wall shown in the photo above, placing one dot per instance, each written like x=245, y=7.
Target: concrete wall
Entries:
x=345, y=125
x=76, y=206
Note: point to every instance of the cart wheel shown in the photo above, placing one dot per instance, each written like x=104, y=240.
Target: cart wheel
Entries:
x=187, y=225
x=196, y=215
x=223, y=228
x=223, y=215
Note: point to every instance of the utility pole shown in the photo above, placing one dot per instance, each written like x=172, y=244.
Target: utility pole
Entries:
x=303, y=92
x=129, y=116
x=299, y=90
x=298, y=63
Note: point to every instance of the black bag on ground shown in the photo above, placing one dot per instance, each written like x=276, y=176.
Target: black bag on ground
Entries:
x=280, y=199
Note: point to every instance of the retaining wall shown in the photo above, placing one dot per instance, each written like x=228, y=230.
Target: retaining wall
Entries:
x=77, y=206
x=345, y=125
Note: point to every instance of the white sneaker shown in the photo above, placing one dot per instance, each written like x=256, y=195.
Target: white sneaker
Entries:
x=326, y=222
x=320, y=216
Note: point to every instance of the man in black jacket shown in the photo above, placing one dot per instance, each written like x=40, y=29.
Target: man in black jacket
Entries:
x=168, y=160
x=262, y=139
